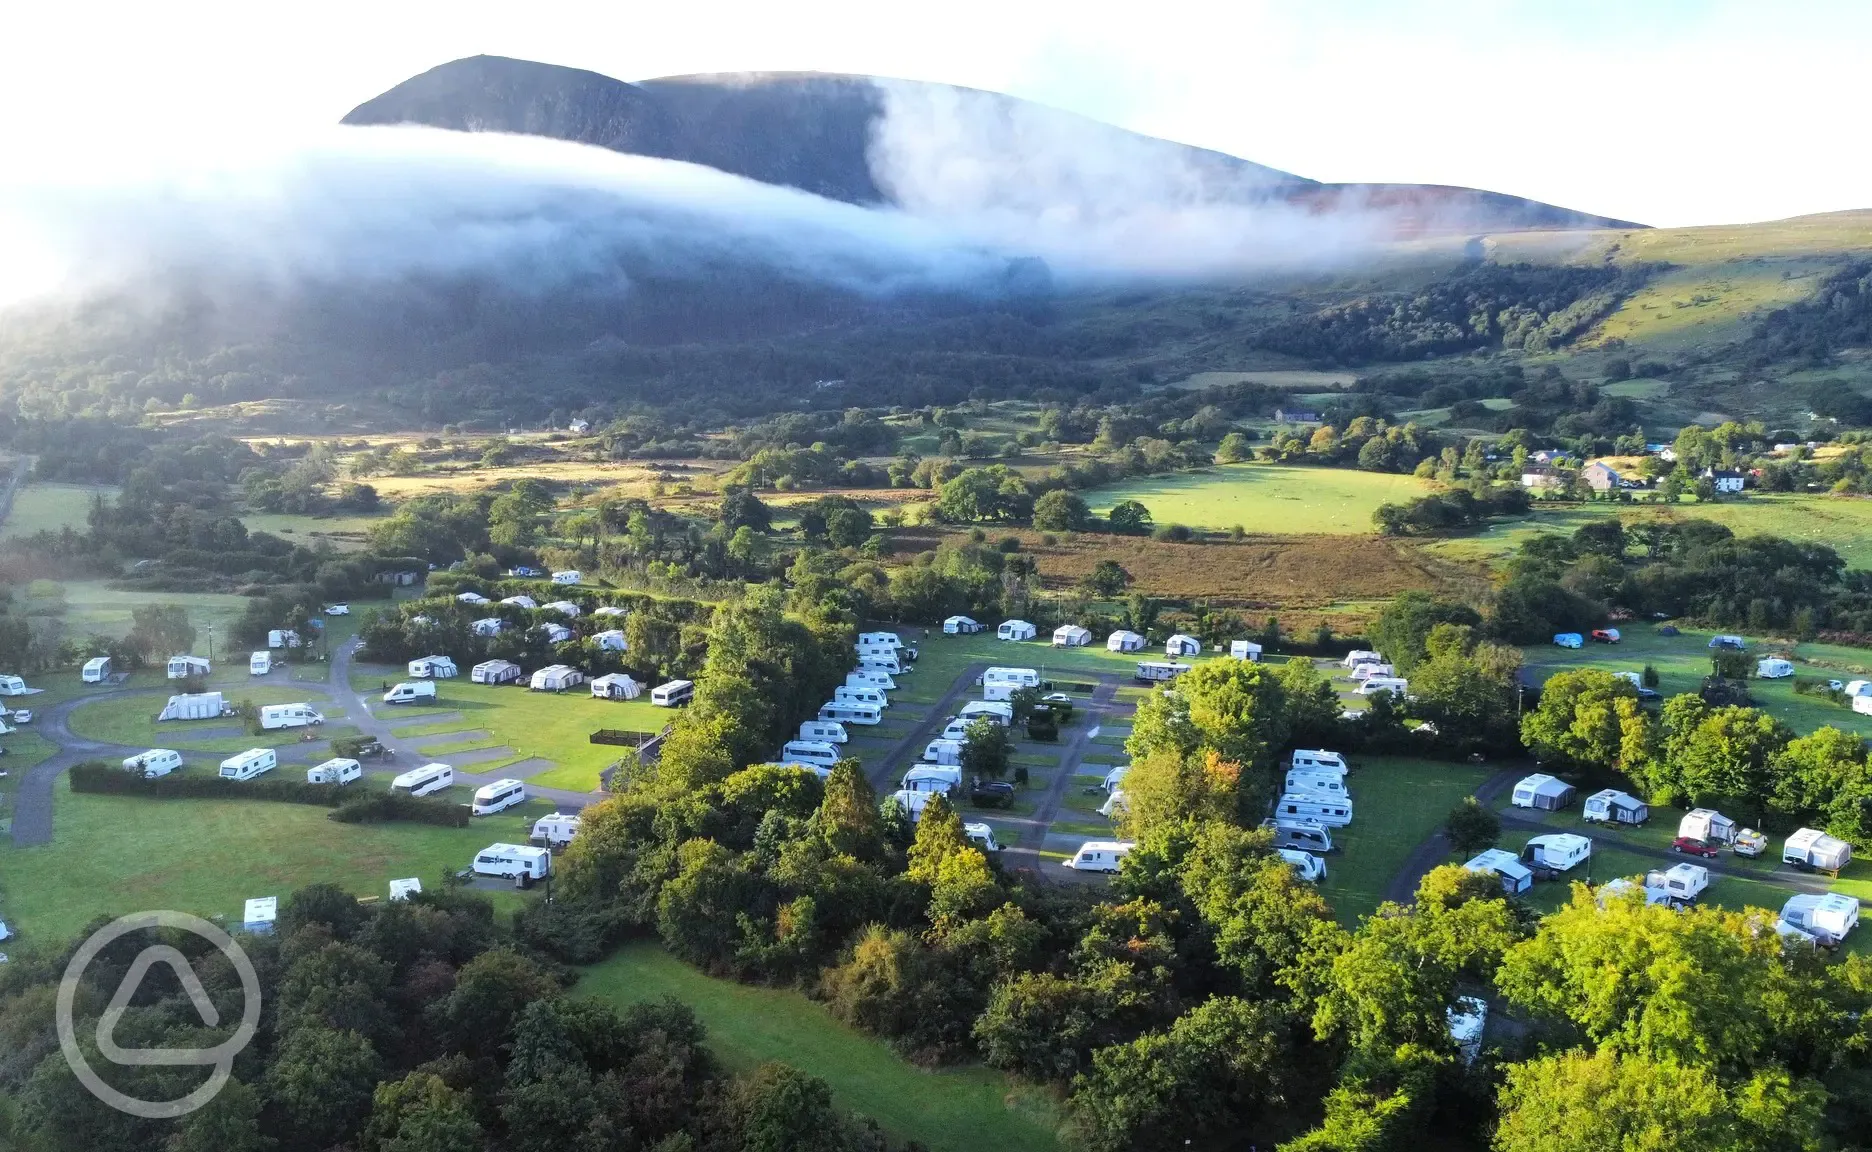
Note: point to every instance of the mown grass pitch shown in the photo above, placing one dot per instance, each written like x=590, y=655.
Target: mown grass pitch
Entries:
x=51, y=507
x=1266, y=498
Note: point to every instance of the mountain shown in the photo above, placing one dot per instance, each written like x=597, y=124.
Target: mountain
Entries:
x=846, y=138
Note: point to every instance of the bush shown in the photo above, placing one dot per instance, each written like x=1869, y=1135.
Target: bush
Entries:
x=383, y=807
x=109, y=779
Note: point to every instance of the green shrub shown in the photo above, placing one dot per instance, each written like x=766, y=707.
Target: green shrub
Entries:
x=383, y=807
x=97, y=776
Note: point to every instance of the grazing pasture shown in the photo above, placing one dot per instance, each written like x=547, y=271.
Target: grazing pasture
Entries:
x=1266, y=499
x=52, y=507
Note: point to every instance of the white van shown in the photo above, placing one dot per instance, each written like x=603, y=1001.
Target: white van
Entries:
x=926, y=778
x=337, y=770
x=850, y=695
x=999, y=711
x=422, y=781
x=885, y=664
x=556, y=830
x=1330, y=811
x=982, y=836
x=513, y=860
x=814, y=752
x=246, y=765
x=673, y=695
x=1306, y=835
x=1331, y=784
x=276, y=716
x=156, y=762
x=1100, y=855
x=1307, y=866
x=1316, y=760
x=851, y=712
x=870, y=678
x=941, y=751
x=260, y=663
x=823, y=731
x=410, y=691
x=495, y=797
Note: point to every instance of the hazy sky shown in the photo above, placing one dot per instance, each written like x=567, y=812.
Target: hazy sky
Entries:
x=1665, y=112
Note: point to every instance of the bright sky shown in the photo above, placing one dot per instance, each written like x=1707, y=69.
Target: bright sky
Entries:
x=1669, y=112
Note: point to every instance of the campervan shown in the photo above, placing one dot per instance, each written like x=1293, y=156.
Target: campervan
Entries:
x=1560, y=851
x=422, y=781
x=153, y=763
x=1316, y=760
x=260, y=664
x=497, y=797
x=943, y=751
x=851, y=712
x=1100, y=855
x=674, y=694
x=1303, y=782
x=556, y=830
x=337, y=770
x=1306, y=865
x=1396, y=685
x=1000, y=711
x=410, y=691
x=927, y=778
x=246, y=765
x=1306, y=835
x=824, y=731
x=1826, y=917
x=518, y=860
x=276, y=716
x=852, y=695
x=1159, y=671
x=810, y=752
x=97, y=670
x=1333, y=812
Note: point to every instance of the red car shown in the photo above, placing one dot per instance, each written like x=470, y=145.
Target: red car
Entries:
x=1694, y=847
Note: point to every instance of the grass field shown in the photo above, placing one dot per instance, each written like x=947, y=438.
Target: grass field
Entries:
x=343, y=532
x=969, y=1109
x=1397, y=803
x=1266, y=498
x=116, y=854
x=50, y=507
x=92, y=608
x=131, y=720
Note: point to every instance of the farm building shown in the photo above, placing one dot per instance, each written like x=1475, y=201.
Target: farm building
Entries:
x=568, y=577
x=1610, y=806
x=432, y=668
x=182, y=667
x=563, y=607
x=1774, y=668
x=486, y=626
x=554, y=633
x=1071, y=636
x=557, y=678
x=1244, y=650
x=1542, y=791
x=615, y=686
x=1122, y=641
x=961, y=626
x=1724, y=479
x=611, y=640
x=495, y=672
x=1515, y=876
x=526, y=602
x=1182, y=645
x=1016, y=630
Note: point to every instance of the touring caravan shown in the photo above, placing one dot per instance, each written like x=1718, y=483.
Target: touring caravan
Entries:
x=615, y=686
x=674, y=694
x=1543, y=792
x=518, y=860
x=933, y=778
x=1303, y=782
x=1000, y=711
x=1002, y=674
x=283, y=638
x=1515, y=877
x=432, y=668
x=1071, y=636
x=1812, y=850
x=422, y=781
x=410, y=691
x=1306, y=865
x=194, y=706
x=943, y=751
x=526, y=602
x=246, y=765
x=182, y=667
x=1307, y=835
x=1610, y=806
x=851, y=712
x=1100, y=855
x=554, y=633
x=870, y=678
x=495, y=672
x=1016, y=630
x=961, y=626
x=879, y=639
x=1396, y=685
x=96, y=670
x=982, y=836
x=470, y=598
x=1182, y=645
x=13, y=686
x=338, y=770
x=1679, y=884
x=276, y=716
x=824, y=731
x=1707, y=825
x=1316, y=760
x=1827, y=917
x=497, y=797
x=1361, y=656
x=557, y=678
x=567, y=578
x=1160, y=671
x=1333, y=812
x=556, y=830
x=1123, y=641
x=1364, y=672
x=1245, y=650
x=611, y=640
x=888, y=665
x=852, y=695
x=1560, y=851
x=1115, y=777
x=260, y=664
x=818, y=752
x=1773, y=668
x=153, y=763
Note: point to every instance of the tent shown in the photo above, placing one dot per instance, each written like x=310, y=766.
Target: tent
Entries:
x=1122, y=641
x=1773, y=668
x=1614, y=807
x=1244, y=650
x=1181, y=645
x=960, y=626
x=1542, y=791
x=1016, y=630
x=616, y=686
x=1071, y=636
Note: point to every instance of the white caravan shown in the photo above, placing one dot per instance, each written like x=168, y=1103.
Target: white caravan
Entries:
x=1024, y=677
x=522, y=860
x=943, y=752
x=194, y=706
x=96, y=670
x=879, y=639
x=885, y=664
x=870, y=678
x=1332, y=812
x=1331, y=784
x=1308, y=866
x=1679, y=884
x=556, y=830
x=867, y=695
x=851, y=712
x=153, y=763
x=825, y=731
x=1100, y=855
x=674, y=694
x=497, y=797
x=811, y=752
x=1560, y=851
x=260, y=664
x=338, y=770
x=982, y=836
x=1307, y=835
x=246, y=765
x=924, y=778
x=1395, y=685
x=1825, y=917
x=1316, y=760
x=1000, y=711
x=422, y=781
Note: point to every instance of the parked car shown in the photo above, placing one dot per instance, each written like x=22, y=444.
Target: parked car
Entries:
x=1685, y=845
x=1650, y=694
x=337, y=609
x=23, y=716
x=1836, y=685
x=1749, y=842
x=991, y=794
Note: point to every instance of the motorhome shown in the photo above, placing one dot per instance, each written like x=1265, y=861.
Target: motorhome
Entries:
x=1330, y=811
x=1159, y=671
x=556, y=830
x=1396, y=685
x=674, y=694
x=851, y=712
x=1100, y=855
x=96, y=670
x=870, y=678
x=497, y=797
x=1560, y=851
x=518, y=860
x=1515, y=877
x=810, y=752
x=153, y=763
x=943, y=751
x=260, y=664
x=410, y=691
x=246, y=765
x=866, y=695
x=1827, y=917
x=276, y=716
x=879, y=639
x=422, y=781
x=1302, y=782
x=933, y=778
x=495, y=672
x=1306, y=835
x=999, y=711
x=1316, y=760
x=824, y=731
x=338, y=770
x=1306, y=865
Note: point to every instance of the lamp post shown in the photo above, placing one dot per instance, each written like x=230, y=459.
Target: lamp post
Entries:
x=211, y=643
